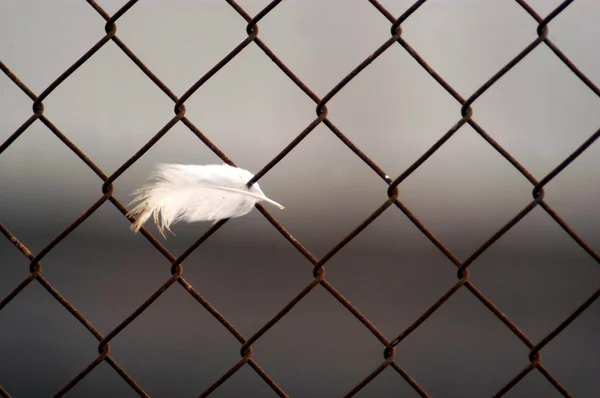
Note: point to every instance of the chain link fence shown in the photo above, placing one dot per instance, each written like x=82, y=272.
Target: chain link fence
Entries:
x=388, y=343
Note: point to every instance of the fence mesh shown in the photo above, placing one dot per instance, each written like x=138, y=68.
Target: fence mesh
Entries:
x=388, y=343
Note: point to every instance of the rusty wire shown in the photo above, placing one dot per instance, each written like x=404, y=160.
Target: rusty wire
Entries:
x=318, y=265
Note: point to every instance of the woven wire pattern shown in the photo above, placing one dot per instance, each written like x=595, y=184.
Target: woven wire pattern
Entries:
x=388, y=343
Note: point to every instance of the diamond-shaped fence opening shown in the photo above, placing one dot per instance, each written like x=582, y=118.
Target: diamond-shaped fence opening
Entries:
x=280, y=349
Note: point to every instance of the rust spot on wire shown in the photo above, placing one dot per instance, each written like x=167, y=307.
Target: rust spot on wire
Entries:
x=393, y=187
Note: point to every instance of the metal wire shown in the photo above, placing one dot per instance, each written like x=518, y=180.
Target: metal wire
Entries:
x=318, y=265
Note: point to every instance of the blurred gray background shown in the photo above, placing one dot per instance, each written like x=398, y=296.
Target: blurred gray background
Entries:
x=394, y=111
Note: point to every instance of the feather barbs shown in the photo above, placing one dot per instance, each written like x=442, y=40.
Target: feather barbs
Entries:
x=193, y=193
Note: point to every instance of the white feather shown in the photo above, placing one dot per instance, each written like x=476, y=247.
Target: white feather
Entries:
x=195, y=193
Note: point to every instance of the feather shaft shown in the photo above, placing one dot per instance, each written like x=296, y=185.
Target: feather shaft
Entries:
x=242, y=192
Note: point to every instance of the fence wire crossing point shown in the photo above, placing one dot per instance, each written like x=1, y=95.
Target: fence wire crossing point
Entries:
x=388, y=344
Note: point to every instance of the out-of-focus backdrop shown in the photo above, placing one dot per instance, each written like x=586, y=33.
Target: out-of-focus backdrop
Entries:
x=537, y=275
